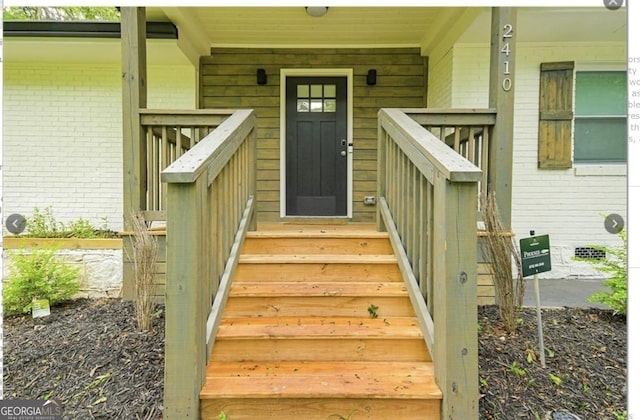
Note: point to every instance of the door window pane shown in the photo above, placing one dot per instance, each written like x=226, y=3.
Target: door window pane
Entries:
x=303, y=105
x=303, y=91
x=316, y=105
x=329, y=105
x=329, y=91
x=316, y=91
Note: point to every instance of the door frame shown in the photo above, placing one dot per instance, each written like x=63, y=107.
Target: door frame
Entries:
x=333, y=72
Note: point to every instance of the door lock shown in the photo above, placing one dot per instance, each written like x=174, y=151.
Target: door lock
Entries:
x=343, y=142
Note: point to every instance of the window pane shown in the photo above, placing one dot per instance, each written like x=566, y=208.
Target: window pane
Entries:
x=316, y=105
x=329, y=91
x=329, y=105
x=601, y=93
x=600, y=140
x=316, y=91
x=303, y=105
x=303, y=91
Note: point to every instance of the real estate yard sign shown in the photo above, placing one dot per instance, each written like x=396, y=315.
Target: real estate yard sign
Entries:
x=536, y=257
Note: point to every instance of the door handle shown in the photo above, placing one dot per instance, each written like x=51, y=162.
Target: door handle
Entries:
x=343, y=153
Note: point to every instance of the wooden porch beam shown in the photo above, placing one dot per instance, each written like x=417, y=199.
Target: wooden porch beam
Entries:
x=450, y=25
x=501, y=97
x=134, y=97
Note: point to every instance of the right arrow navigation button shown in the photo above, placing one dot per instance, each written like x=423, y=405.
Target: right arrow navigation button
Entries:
x=614, y=223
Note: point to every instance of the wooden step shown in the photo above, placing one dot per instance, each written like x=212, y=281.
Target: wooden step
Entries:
x=388, y=306
x=320, y=390
x=298, y=338
x=319, y=408
x=320, y=348
x=316, y=244
x=316, y=259
x=318, y=327
x=317, y=272
x=316, y=289
x=305, y=379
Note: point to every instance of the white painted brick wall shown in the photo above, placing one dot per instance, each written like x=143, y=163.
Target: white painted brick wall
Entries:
x=63, y=135
x=558, y=203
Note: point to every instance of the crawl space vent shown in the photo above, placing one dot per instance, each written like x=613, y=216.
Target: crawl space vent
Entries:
x=590, y=253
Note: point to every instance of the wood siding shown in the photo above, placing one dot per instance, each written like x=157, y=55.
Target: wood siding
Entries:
x=228, y=80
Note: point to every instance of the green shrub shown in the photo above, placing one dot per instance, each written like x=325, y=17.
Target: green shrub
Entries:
x=81, y=228
x=615, y=265
x=38, y=275
x=42, y=224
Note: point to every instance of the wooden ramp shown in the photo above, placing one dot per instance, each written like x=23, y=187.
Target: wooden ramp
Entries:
x=318, y=325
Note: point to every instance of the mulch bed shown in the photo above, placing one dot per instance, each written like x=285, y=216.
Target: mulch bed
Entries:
x=586, y=365
x=88, y=355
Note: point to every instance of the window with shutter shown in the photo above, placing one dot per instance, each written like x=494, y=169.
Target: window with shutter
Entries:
x=556, y=115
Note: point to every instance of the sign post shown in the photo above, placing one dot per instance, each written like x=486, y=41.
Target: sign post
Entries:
x=536, y=258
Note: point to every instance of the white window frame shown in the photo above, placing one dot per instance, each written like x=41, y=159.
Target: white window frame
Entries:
x=595, y=169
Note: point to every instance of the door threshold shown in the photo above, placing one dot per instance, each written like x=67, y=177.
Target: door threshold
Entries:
x=312, y=220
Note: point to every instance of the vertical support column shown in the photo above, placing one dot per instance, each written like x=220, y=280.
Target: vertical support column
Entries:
x=501, y=97
x=455, y=303
x=134, y=97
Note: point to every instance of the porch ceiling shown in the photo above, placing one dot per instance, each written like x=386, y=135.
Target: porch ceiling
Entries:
x=291, y=26
x=385, y=26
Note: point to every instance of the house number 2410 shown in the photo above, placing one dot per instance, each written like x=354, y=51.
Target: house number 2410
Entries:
x=507, y=34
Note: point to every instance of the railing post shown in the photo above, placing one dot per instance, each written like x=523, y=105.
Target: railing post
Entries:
x=382, y=173
x=186, y=304
x=455, y=302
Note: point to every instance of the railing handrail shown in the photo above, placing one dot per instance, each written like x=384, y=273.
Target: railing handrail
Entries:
x=211, y=152
x=184, y=117
x=454, y=116
x=208, y=111
x=425, y=150
x=210, y=206
x=428, y=202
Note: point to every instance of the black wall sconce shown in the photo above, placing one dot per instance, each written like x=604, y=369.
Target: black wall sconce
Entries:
x=371, y=77
x=261, y=77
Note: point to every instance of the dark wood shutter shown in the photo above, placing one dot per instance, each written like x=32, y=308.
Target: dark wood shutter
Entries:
x=556, y=115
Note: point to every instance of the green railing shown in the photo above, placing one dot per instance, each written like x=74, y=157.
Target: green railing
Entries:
x=210, y=207
x=428, y=200
x=168, y=134
x=467, y=131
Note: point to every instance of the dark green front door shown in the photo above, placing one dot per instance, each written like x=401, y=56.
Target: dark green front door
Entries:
x=316, y=146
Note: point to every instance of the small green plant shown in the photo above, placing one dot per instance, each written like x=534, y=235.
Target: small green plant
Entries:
x=484, y=383
x=615, y=265
x=38, y=274
x=222, y=416
x=620, y=416
x=373, y=311
x=531, y=355
x=81, y=228
x=42, y=224
x=557, y=381
x=517, y=370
